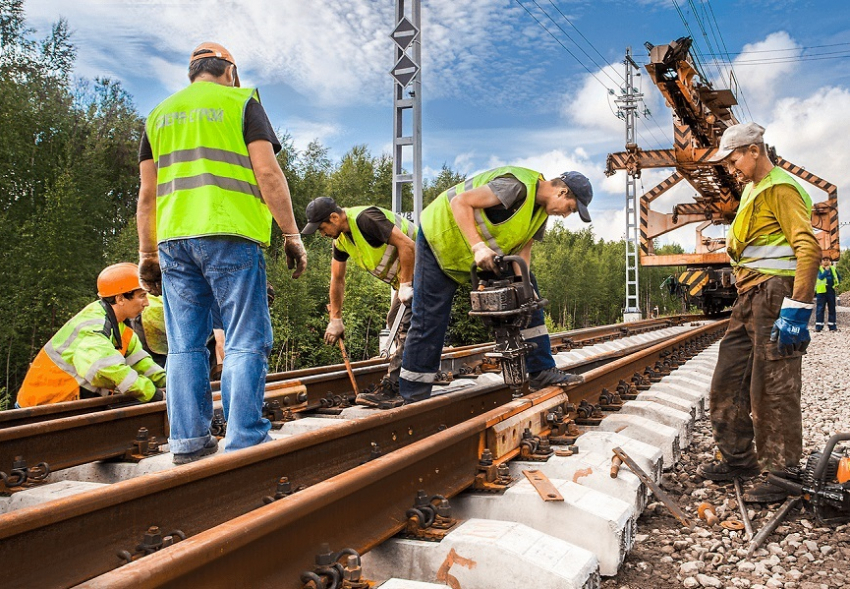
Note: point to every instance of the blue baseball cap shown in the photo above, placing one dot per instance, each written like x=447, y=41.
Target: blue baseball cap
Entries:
x=580, y=186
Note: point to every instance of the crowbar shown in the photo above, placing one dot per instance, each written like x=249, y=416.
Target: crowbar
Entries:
x=385, y=353
x=348, y=366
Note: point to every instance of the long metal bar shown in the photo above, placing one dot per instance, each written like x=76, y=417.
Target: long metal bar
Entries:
x=67, y=442
x=25, y=416
x=208, y=493
x=359, y=509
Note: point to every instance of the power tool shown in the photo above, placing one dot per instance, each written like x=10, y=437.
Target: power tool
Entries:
x=823, y=482
x=505, y=302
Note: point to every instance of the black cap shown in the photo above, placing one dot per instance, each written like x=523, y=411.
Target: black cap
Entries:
x=580, y=186
x=318, y=211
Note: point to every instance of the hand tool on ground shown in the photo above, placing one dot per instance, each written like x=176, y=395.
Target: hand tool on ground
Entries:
x=505, y=303
x=348, y=366
x=662, y=496
x=768, y=528
x=824, y=482
x=385, y=353
x=745, y=517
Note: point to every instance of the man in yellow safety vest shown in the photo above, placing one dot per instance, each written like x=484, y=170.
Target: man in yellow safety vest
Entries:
x=382, y=243
x=210, y=186
x=498, y=212
x=96, y=353
x=755, y=392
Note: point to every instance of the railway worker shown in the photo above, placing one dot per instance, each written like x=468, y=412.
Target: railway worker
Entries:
x=96, y=353
x=497, y=212
x=210, y=186
x=755, y=392
x=828, y=279
x=382, y=243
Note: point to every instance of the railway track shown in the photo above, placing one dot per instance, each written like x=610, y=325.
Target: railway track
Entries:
x=37, y=440
x=353, y=482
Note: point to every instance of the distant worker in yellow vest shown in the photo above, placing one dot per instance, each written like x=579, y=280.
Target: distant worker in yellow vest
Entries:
x=382, y=243
x=95, y=353
x=828, y=279
x=755, y=392
x=210, y=186
x=498, y=212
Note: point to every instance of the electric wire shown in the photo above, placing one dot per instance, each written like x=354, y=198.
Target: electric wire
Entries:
x=592, y=46
x=560, y=28
x=732, y=76
x=558, y=41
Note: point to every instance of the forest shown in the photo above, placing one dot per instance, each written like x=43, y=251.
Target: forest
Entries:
x=68, y=189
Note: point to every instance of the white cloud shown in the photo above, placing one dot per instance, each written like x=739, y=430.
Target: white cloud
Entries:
x=762, y=82
x=304, y=131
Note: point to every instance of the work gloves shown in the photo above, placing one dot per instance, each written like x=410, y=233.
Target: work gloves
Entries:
x=159, y=395
x=485, y=258
x=296, y=255
x=334, y=331
x=150, y=274
x=791, y=331
x=405, y=293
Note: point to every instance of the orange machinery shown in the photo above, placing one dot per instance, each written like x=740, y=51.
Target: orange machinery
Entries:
x=700, y=115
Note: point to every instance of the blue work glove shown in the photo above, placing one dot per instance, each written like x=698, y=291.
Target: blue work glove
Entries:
x=791, y=330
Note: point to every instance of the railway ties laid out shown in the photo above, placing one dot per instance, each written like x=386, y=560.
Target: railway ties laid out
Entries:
x=350, y=485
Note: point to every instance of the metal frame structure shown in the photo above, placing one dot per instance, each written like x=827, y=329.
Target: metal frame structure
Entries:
x=407, y=73
x=628, y=105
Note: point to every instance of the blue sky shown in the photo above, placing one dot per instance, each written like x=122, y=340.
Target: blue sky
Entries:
x=497, y=87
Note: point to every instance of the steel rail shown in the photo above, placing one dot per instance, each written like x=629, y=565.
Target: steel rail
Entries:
x=358, y=509
x=93, y=526
x=583, y=336
x=71, y=441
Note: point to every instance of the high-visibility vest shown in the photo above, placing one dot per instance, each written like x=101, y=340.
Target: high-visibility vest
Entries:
x=821, y=283
x=205, y=181
x=83, y=353
x=450, y=245
x=769, y=254
x=153, y=324
x=382, y=261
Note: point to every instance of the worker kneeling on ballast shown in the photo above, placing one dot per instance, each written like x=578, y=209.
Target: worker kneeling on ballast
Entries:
x=96, y=353
x=382, y=243
x=496, y=213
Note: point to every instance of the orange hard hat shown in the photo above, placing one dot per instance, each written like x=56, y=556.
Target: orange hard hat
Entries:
x=210, y=49
x=118, y=279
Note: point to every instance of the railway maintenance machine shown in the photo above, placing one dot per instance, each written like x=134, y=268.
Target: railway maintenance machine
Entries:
x=700, y=115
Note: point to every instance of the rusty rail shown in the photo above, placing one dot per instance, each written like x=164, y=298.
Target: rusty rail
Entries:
x=93, y=526
x=576, y=337
x=359, y=508
x=120, y=433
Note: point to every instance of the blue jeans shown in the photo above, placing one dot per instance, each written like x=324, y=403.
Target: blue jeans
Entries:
x=825, y=299
x=196, y=273
x=433, y=292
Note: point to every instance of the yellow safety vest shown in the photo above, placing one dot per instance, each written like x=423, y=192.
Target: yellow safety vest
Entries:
x=769, y=254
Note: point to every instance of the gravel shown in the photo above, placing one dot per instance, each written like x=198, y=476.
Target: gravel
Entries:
x=800, y=554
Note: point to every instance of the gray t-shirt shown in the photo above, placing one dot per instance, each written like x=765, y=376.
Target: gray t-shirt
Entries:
x=512, y=194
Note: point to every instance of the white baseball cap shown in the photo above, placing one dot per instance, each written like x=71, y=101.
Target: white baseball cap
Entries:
x=738, y=136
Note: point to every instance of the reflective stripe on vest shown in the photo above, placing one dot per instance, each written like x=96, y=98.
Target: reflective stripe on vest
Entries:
x=821, y=283
x=451, y=247
x=382, y=261
x=205, y=181
x=767, y=254
x=52, y=379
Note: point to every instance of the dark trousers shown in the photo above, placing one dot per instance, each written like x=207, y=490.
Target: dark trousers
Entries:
x=825, y=299
x=433, y=292
x=755, y=393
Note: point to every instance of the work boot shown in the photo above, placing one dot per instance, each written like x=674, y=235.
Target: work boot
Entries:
x=720, y=470
x=384, y=397
x=209, y=447
x=552, y=377
x=765, y=492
